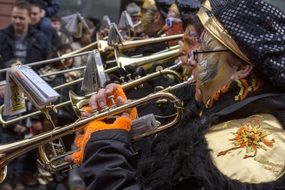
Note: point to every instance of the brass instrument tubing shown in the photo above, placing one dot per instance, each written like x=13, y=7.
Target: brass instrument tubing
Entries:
x=50, y=60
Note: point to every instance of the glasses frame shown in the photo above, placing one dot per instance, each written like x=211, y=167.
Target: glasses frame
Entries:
x=197, y=52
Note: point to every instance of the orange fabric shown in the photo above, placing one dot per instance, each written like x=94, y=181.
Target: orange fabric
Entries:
x=87, y=109
x=121, y=122
x=246, y=89
x=216, y=96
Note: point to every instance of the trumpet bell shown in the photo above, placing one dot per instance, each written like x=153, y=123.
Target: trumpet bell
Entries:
x=3, y=173
x=77, y=102
x=145, y=61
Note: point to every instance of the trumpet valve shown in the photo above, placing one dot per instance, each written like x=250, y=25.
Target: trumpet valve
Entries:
x=122, y=79
x=129, y=76
x=112, y=99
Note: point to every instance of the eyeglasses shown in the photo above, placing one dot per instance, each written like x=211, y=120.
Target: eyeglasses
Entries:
x=169, y=21
x=197, y=52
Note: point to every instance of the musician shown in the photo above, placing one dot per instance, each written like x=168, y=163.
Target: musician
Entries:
x=153, y=13
x=152, y=20
x=237, y=142
x=173, y=24
x=135, y=12
x=193, y=27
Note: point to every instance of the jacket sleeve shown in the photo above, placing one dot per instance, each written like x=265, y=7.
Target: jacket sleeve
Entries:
x=109, y=162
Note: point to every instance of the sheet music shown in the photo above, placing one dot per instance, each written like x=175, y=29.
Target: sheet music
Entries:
x=38, y=82
x=35, y=88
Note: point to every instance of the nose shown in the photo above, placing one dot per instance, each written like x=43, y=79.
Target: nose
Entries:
x=17, y=20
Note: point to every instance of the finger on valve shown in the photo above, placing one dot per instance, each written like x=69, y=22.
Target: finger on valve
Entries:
x=105, y=97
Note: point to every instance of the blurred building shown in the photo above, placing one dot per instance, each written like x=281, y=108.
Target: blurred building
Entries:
x=91, y=8
x=5, y=12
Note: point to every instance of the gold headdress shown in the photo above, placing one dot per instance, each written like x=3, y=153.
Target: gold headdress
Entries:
x=149, y=4
x=214, y=27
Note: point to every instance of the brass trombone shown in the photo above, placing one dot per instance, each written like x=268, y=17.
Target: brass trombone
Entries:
x=10, y=151
x=102, y=44
x=167, y=71
x=137, y=43
x=122, y=60
x=50, y=60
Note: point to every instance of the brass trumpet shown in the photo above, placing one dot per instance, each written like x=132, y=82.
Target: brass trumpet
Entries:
x=10, y=151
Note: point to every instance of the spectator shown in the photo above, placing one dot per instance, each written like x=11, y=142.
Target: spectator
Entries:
x=78, y=43
x=61, y=36
x=94, y=26
x=42, y=23
x=20, y=41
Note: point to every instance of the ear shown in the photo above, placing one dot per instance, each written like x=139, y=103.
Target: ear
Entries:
x=242, y=72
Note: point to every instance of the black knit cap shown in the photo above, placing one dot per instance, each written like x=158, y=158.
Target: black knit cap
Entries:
x=163, y=6
x=259, y=30
x=188, y=8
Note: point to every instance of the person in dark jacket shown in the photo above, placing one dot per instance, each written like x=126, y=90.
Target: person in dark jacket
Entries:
x=42, y=23
x=20, y=41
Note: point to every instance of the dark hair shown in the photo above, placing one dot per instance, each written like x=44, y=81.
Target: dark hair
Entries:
x=23, y=5
x=37, y=3
x=55, y=18
x=96, y=22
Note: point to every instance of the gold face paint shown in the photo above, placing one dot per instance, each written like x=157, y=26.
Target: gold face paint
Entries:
x=212, y=70
x=206, y=72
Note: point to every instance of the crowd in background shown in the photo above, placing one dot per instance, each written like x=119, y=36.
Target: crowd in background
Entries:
x=37, y=33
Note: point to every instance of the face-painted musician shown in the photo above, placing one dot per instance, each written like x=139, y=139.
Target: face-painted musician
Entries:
x=237, y=142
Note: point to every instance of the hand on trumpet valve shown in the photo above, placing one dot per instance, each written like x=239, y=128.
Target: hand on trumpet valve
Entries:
x=113, y=94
